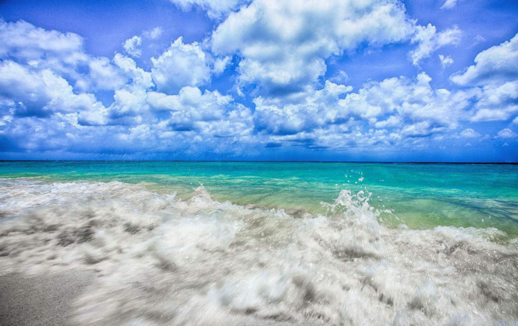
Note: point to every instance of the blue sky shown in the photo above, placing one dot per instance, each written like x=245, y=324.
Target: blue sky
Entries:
x=369, y=80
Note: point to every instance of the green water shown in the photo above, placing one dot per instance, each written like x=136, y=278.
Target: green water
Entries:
x=420, y=195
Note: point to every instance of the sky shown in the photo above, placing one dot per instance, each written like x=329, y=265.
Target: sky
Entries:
x=309, y=80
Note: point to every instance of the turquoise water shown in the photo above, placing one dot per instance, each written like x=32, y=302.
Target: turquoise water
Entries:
x=419, y=195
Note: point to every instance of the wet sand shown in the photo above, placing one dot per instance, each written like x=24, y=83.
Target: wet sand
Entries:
x=40, y=300
x=48, y=299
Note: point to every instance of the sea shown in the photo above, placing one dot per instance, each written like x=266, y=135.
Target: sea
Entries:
x=267, y=243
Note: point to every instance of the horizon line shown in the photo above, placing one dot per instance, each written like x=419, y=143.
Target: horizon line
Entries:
x=264, y=161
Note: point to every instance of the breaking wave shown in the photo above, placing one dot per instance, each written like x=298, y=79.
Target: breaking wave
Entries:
x=160, y=260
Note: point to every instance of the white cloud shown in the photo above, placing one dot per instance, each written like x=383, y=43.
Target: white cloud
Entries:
x=410, y=100
x=180, y=65
x=506, y=134
x=497, y=102
x=132, y=46
x=40, y=93
x=284, y=43
x=497, y=64
x=430, y=41
x=50, y=93
x=340, y=78
x=23, y=89
x=220, y=65
x=316, y=110
x=215, y=9
x=191, y=106
x=138, y=76
x=102, y=75
x=154, y=33
x=515, y=121
x=24, y=42
x=399, y=106
x=445, y=61
x=469, y=133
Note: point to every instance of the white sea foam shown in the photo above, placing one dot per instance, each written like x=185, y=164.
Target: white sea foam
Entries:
x=164, y=261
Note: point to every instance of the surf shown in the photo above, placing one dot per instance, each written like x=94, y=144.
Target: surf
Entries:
x=162, y=260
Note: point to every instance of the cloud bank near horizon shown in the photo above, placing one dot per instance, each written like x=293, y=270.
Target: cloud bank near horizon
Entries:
x=275, y=57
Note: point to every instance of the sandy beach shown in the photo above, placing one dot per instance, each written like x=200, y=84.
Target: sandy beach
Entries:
x=42, y=299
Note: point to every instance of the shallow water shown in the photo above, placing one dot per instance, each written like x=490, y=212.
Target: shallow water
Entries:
x=420, y=195
x=296, y=243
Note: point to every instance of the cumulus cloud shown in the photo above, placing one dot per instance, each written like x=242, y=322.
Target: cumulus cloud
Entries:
x=445, y=61
x=497, y=64
x=430, y=41
x=284, y=44
x=40, y=93
x=181, y=65
x=506, y=134
x=23, y=90
x=411, y=101
x=316, y=110
x=52, y=87
x=497, y=102
x=469, y=133
x=390, y=111
x=215, y=9
x=494, y=77
x=24, y=41
x=132, y=46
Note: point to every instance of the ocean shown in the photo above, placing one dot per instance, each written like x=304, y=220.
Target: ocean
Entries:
x=216, y=243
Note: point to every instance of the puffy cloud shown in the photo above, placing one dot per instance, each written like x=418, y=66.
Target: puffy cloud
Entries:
x=506, y=134
x=38, y=50
x=220, y=65
x=191, y=106
x=284, y=44
x=43, y=49
x=24, y=90
x=430, y=41
x=214, y=8
x=410, y=100
x=316, y=110
x=497, y=102
x=102, y=75
x=469, y=133
x=181, y=65
x=39, y=93
x=399, y=107
x=138, y=76
x=445, y=61
x=132, y=46
x=279, y=45
x=497, y=64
